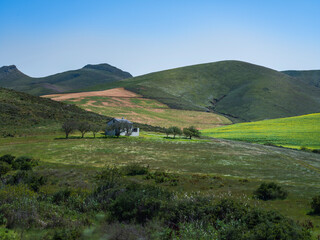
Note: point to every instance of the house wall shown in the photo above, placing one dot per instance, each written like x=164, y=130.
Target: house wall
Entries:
x=135, y=134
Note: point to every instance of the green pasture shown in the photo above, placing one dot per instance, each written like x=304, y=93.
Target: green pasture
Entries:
x=207, y=166
x=149, y=111
x=293, y=132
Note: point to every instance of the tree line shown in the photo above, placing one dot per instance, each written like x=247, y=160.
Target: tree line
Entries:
x=83, y=127
x=187, y=132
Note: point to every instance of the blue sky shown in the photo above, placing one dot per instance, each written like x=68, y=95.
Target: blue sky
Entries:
x=142, y=36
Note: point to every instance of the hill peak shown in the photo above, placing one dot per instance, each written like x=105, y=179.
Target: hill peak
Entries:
x=106, y=67
x=9, y=72
x=8, y=69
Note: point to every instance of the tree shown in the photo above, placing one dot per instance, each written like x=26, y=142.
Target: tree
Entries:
x=191, y=132
x=94, y=129
x=175, y=131
x=68, y=127
x=168, y=131
x=83, y=128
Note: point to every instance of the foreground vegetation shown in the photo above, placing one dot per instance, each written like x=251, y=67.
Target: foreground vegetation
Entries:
x=294, y=132
x=129, y=202
x=209, y=169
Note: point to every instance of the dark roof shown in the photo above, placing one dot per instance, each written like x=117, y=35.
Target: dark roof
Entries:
x=121, y=120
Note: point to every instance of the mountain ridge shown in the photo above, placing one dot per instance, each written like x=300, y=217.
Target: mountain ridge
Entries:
x=240, y=90
x=90, y=75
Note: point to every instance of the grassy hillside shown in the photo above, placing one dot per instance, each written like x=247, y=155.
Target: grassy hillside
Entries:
x=311, y=77
x=23, y=113
x=240, y=90
x=293, y=132
x=90, y=75
x=122, y=103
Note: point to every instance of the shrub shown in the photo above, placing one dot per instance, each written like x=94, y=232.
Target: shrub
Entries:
x=187, y=210
x=34, y=181
x=163, y=177
x=24, y=163
x=7, y=158
x=195, y=231
x=66, y=234
x=316, y=150
x=19, y=206
x=108, y=177
x=61, y=196
x=6, y=234
x=134, y=169
x=315, y=204
x=4, y=168
x=137, y=203
x=270, y=191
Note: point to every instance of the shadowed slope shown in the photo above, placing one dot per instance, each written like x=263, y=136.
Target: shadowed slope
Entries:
x=311, y=77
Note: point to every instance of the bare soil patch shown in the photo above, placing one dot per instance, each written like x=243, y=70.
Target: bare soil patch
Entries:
x=116, y=92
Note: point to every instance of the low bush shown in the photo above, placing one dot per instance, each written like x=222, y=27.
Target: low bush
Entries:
x=316, y=150
x=7, y=158
x=135, y=169
x=61, y=196
x=138, y=203
x=163, y=177
x=109, y=177
x=24, y=163
x=270, y=191
x=4, y=168
x=66, y=234
x=6, y=234
x=315, y=204
x=33, y=180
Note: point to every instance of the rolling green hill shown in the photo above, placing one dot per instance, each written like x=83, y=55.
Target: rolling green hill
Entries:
x=90, y=75
x=293, y=132
x=239, y=90
x=311, y=77
x=22, y=113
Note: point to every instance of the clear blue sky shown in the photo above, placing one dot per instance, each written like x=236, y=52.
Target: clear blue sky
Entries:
x=140, y=36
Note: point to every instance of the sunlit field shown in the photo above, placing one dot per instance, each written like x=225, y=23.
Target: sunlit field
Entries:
x=294, y=132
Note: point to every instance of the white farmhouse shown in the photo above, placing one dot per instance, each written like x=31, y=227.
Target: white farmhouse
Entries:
x=122, y=127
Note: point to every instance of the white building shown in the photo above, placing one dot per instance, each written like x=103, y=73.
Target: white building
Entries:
x=122, y=127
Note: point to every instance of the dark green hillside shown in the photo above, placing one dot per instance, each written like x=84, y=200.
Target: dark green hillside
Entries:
x=24, y=113
x=311, y=77
x=236, y=89
x=90, y=75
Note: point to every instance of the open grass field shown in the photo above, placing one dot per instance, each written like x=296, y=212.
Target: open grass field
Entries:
x=123, y=103
x=206, y=166
x=293, y=132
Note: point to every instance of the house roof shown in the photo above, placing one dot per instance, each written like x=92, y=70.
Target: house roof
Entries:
x=121, y=120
